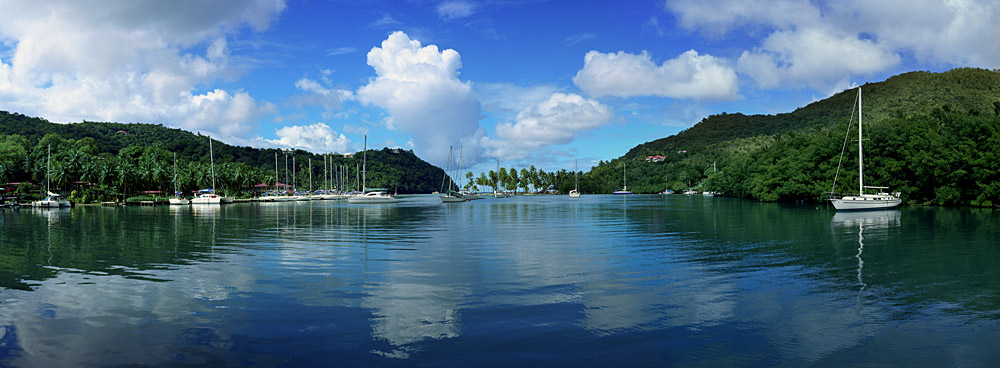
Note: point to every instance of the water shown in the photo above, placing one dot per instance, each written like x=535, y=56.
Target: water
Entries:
x=531, y=280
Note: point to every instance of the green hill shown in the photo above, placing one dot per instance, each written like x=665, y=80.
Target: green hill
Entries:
x=125, y=159
x=951, y=111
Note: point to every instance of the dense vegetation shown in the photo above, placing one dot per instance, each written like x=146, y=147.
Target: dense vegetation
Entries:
x=100, y=161
x=935, y=137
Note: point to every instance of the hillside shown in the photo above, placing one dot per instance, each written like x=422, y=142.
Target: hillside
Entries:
x=925, y=105
x=84, y=151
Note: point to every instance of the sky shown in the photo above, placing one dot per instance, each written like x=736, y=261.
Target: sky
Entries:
x=543, y=83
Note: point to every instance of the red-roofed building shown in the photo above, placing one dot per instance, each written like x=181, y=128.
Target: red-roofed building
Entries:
x=656, y=158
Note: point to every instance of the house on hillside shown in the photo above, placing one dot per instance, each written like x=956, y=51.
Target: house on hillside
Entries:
x=657, y=158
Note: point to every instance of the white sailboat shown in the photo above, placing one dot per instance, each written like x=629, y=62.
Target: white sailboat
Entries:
x=624, y=189
x=450, y=195
x=52, y=200
x=208, y=196
x=177, y=200
x=498, y=193
x=575, y=193
x=880, y=200
x=370, y=195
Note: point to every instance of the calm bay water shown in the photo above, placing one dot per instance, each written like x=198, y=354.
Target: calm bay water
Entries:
x=530, y=280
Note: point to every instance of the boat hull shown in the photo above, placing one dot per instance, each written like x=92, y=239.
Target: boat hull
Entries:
x=179, y=201
x=372, y=198
x=864, y=204
x=574, y=194
x=622, y=192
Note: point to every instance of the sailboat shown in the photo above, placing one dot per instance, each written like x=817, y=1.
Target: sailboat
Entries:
x=177, y=199
x=575, y=193
x=370, y=195
x=208, y=196
x=497, y=193
x=52, y=200
x=450, y=196
x=880, y=200
x=624, y=189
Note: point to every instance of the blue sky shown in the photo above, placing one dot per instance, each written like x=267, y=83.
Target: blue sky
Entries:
x=533, y=82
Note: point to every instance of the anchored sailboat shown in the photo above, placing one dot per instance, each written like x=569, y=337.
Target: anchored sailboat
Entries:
x=575, y=193
x=370, y=195
x=880, y=200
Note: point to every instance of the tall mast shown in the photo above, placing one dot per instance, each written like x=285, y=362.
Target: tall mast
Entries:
x=294, y=189
x=48, y=169
x=861, y=170
x=175, y=173
x=310, y=174
x=275, y=170
x=211, y=157
x=364, y=167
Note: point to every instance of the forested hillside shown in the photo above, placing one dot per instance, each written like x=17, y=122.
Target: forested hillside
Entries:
x=126, y=159
x=932, y=136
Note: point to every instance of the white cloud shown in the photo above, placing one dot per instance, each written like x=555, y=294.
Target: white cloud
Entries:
x=316, y=94
x=146, y=61
x=455, y=9
x=556, y=120
x=813, y=57
x=822, y=44
x=419, y=87
x=317, y=137
x=690, y=75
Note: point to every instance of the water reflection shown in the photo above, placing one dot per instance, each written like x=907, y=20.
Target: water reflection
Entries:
x=595, y=281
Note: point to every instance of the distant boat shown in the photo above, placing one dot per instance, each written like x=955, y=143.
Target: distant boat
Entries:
x=708, y=193
x=667, y=191
x=575, y=193
x=450, y=196
x=370, y=195
x=177, y=199
x=208, y=196
x=52, y=200
x=496, y=192
x=691, y=192
x=624, y=189
x=881, y=200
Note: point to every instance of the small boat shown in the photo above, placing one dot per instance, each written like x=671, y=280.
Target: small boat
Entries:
x=206, y=196
x=691, y=192
x=450, y=196
x=177, y=199
x=575, y=193
x=370, y=195
x=624, y=189
x=881, y=200
x=708, y=193
x=53, y=200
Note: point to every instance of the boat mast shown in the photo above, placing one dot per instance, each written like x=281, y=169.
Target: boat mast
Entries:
x=364, y=164
x=211, y=157
x=861, y=169
x=310, y=166
x=275, y=170
x=624, y=180
x=175, y=173
x=48, y=169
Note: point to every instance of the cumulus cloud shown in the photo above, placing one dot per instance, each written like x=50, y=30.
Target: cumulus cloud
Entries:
x=690, y=75
x=146, y=61
x=419, y=88
x=824, y=43
x=317, y=137
x=556, y=120
x=813, y=57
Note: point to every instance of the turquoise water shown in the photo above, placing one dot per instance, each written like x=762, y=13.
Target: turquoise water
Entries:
x=531, y=280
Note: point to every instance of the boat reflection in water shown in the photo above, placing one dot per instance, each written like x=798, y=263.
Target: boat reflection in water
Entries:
x=865, y=220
